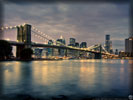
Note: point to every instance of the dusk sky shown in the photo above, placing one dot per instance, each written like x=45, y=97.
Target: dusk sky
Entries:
x=88, y=22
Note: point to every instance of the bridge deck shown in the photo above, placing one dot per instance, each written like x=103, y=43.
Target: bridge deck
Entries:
x=14, y=43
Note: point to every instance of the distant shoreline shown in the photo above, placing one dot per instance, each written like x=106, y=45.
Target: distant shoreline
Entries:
x=31, y=60
x=47, y=59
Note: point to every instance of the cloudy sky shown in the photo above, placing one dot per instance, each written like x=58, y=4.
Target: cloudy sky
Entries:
x=88, y=22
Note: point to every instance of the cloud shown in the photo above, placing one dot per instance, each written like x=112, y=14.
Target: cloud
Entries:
x=85, y=21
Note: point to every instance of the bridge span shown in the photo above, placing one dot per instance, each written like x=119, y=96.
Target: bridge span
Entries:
x=24, y=34
x=14, y=43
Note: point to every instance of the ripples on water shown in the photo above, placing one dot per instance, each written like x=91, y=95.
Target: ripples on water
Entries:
x=64, y=80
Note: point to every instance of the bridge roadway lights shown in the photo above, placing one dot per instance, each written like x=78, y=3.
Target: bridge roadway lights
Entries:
x=98, y=56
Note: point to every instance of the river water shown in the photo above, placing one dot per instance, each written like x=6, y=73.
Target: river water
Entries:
x=66, y=79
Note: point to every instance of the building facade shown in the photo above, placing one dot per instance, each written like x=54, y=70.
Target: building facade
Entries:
x=37, y=52
x=50, y=50
x=83, y=45
x=129, y=46
x=116, y=52
x=77, y=44
x=72, y=41
x=108, y=44
x=61, y=42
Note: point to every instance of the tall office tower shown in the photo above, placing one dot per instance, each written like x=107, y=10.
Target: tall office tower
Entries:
x=61, y=42
x=107, y=37
x=111, y=49
x=72, y=42
x=129, y=46
x=108, y=44
x=50, y=50
x=83, y=45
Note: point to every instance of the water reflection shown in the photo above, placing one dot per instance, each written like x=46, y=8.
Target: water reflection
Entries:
x=47, y=75
x=87, y=77
x=130, y=61
x=12, y=73
x=67, y=77
x=1, y=79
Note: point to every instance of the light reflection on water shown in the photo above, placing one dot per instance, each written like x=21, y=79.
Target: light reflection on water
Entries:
x=73, y=78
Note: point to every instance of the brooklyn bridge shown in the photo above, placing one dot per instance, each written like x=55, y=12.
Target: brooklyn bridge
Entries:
x=25, y=33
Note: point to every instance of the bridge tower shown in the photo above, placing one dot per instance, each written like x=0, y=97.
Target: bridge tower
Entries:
x=23, y=35
x=99, y=55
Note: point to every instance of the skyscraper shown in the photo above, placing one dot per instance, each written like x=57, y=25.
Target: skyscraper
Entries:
x=108, y=44
x=129, y=46
x=72, y=42
x=50, y=50
x=83, y=45
x=107, y=37
x=61, y=42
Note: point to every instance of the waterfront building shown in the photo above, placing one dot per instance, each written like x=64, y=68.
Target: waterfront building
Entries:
x=116, y=52
x=71, y=53
x=61, y=42
x=83, y=45
x=50, y=50
x=44, y=53
x=55, y=52
x=129, y=46
x=121, y=54
x=37, y=52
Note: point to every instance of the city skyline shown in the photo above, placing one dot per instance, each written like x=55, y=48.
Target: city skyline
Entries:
x=85, y=22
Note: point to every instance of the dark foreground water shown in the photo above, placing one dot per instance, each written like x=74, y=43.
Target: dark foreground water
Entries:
x=65, y=79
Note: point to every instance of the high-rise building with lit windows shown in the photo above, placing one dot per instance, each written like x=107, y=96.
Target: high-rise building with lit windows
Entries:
x=61, y=42
x=50, y=50
x=108, y=44
x=129, y=46
x=77, y=44
x=83, y=45
x=72, y=42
